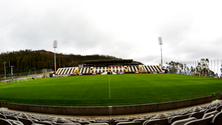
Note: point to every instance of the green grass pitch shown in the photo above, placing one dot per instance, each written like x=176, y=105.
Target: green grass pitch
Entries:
x=107, y=90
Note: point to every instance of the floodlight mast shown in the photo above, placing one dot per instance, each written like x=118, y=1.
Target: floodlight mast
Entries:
x=55, y=43
x=11, y=70
x=5, y=69
x=161, y=43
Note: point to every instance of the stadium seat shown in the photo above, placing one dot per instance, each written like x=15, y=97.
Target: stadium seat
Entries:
x=210, y=113
x=105, y=119
x=41, y=123
x=69, y=124
x=156, y=122
x=219, y=108
x=175, y=118
x=11, y=117
x=129, y=69
x=159, y=116
x=203, y=121
x=25, y=121
x=117, y=121
x=98, y=124
x=131, y=118
x=217, y=119
x=2, y=116
x=147, y=69
x=61, y=120
x=102, y=121
x=4, y=122
x=183, y=121
x=209, y=110
x=197, y=115
x=139, y=120
x=15, y=122
x=129, y=123
x=84, y=122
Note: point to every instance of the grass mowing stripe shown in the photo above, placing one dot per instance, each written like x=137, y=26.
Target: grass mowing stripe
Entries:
x=109, y=88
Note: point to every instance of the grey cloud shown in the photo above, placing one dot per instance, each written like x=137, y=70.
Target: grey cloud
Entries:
x=149, y=59
x=28, y=27
x=40, y=31
x=176, y=32
x=118, y=48
x=181, y=46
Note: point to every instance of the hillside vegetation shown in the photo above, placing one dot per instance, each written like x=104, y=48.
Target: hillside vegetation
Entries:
x=27, y=60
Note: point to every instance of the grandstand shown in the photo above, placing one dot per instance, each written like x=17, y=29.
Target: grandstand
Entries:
x=66, y=71
x=109, y=67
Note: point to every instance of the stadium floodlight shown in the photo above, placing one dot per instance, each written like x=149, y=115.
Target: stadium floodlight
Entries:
x=11, y=70
x=55, y=44
x=5, y=69
x=161, y=43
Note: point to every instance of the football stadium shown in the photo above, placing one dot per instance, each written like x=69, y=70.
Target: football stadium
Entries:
x=109, y=68
x=112, y=87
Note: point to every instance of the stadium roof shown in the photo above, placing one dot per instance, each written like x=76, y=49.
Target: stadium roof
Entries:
x=109, y=61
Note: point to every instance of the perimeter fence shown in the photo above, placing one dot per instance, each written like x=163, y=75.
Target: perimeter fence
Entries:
x=9, y=76
x=203, y=67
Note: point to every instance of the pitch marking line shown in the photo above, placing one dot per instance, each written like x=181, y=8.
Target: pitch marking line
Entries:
x=109, y=88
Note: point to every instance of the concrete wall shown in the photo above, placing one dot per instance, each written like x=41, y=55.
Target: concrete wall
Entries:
x=219, y=96
x=116, y=110
x=109, y=110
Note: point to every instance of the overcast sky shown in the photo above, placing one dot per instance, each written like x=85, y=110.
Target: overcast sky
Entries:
x=129, y=29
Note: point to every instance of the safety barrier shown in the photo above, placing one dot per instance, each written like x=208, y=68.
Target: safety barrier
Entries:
x=109, y=110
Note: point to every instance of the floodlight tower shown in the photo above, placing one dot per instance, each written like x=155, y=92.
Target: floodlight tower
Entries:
x=55, y=43
x=161, y=43
x=11, y=70
x=5, y=69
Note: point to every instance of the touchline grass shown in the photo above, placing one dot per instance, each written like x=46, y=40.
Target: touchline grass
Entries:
x=109, y=90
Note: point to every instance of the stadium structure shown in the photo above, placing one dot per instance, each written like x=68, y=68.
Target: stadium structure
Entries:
x=210, y=114
x=117, y=66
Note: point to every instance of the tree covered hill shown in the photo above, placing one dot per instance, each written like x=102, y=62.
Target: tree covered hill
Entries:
x=30, y=60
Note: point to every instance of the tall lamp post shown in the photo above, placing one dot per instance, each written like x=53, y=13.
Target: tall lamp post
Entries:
x=161, y=43
x=11, y=70
x=55, y=43
x=5, y=69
